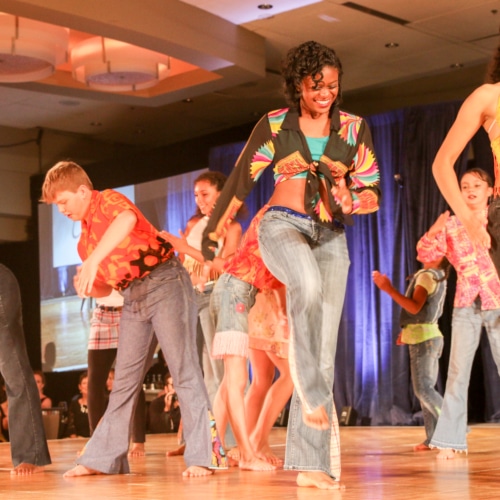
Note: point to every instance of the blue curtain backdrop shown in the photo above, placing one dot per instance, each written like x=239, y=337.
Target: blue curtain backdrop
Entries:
x=372, y=373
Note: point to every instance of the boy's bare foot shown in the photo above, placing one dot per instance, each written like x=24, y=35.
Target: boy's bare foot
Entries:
x=81, y=470
x=137, y=450
x=177, y=452
x=446, y=454
x=24, y=469
x=318, y=419
x=197, y=471
x=255, y=464
x=421, y=447
x=318, y=480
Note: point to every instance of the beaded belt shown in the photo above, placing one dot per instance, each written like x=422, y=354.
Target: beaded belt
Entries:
x=337, y=225
x=110, y=308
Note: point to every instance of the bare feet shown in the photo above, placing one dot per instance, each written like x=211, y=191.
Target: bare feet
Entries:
x=137, y=450
x=24, y=469
x=255, y=464
x=197, y=471
x=318, y=480
x=177, y=452
x=446, y=454
x=318, y=419
x=81, y=470
x=421, y=447
x=266, y=454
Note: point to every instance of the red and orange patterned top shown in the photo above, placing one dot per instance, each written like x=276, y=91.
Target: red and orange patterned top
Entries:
x=246, y=264
x=136, y=256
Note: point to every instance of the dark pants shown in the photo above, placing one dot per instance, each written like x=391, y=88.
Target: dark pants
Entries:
x=27, y=435
x=494, y=231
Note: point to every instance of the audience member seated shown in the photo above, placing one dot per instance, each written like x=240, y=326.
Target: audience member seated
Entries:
x=45, y=401
x=164, y=411
x=78, y=424
x=4, y=413
x=157, y=372
x=110, y=380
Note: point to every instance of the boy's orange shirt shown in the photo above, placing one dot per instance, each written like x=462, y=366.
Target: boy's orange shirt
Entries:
x=136, y=256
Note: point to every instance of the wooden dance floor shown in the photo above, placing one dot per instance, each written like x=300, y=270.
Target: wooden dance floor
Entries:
x=377, y=463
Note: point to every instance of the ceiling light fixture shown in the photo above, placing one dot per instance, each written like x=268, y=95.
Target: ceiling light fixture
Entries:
x=115, y=66
x=30, y=50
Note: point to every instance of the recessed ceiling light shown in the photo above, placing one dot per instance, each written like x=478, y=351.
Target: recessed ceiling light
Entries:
x=188, y=100
x=265, y=6
x=456, y=65
x=328, y=19
x=392, y=45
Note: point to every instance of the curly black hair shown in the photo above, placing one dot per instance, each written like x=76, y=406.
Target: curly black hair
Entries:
x=493, y=75
x=307, y=59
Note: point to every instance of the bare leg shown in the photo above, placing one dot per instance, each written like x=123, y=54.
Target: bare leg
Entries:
x=317, y=480
x=24, y=469
x=81, y=470
x=446, y=454
x=262, y=380
x=220, y=410
x=236, y=375
x=275, y=400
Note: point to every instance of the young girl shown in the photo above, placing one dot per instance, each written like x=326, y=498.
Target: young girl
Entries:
x=325, y=169
x=251, y=416
x=207, y=189
x=477, y=304
x=422, y=306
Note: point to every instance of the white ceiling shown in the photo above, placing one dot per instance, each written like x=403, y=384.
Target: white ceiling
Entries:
x=432, y=35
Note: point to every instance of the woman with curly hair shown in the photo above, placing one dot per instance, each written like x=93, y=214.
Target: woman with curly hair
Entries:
x=480, y=109
x=324, y=170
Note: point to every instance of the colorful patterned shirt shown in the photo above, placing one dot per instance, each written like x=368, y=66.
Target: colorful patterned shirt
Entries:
x=476, y=274
x=136, y=256
x=277, y=139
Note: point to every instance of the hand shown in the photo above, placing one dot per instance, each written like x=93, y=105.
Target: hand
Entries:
x=85, y=277
x=343, y=196
x=382, y=281
x=179, y=243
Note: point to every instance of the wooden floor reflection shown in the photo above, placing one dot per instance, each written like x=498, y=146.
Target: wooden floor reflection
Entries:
x=377, y=463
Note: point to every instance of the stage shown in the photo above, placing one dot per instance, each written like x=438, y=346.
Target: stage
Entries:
x=377, y=463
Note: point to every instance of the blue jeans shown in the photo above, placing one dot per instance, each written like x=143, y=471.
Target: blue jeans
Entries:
x=451, y=429
x=313, y=262
x=213, y=373
x=424, y=366
x=27, y=435
x=161, y=304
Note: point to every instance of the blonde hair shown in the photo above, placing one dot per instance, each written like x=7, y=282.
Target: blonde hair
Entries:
x=64, y=176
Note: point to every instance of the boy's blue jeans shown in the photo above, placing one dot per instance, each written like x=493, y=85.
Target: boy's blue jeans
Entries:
x=161, y=304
